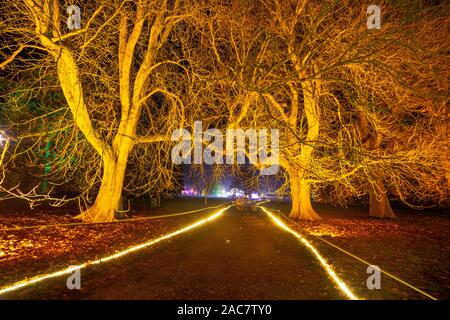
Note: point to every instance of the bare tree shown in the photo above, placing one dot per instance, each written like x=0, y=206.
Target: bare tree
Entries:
x=338, y=93
x=360, y=112
x=120, y=80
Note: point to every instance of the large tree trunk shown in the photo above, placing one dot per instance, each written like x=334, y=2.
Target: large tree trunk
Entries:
x=108, y=198
x=301, y=200
x=114, y=156
x=379, y=205
x=300, y=188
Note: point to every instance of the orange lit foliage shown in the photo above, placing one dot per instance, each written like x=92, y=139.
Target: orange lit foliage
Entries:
x=360, y=111
x=122, y=85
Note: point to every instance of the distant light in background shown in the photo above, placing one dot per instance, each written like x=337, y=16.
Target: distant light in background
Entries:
x=235, y=192
x=4, y=144
x=224, y=194
x=190, y=191
x=6, y=137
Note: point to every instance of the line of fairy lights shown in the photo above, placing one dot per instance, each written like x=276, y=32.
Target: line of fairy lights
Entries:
x=69, y=270
x=341, y=285
x=74, y=224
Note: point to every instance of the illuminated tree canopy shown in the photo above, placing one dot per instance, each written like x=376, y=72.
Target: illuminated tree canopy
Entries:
x=361, y=112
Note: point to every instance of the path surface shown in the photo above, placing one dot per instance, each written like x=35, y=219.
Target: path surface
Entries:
x=240, y=255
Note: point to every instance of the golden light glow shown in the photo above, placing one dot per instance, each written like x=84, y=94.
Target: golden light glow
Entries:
x=341, y=285
x=320, y=233
x=68, y=270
